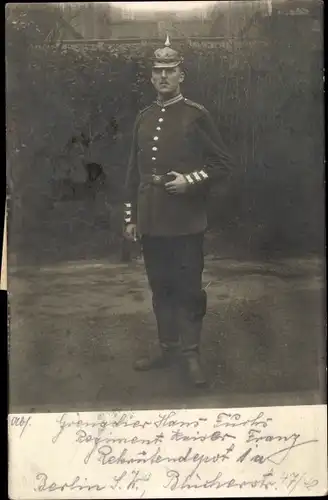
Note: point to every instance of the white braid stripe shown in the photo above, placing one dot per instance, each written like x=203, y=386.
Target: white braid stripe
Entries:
x=197, y=176
x=170, y=101
x=189, y=179
x=203, y=174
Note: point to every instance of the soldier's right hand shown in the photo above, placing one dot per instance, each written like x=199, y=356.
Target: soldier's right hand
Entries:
x=130, y=232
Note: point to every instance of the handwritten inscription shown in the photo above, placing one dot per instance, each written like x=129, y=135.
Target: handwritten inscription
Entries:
x=191, y=481
x=125, y=420
x=114, y=453
x=21, y=422
x=236, y=420
x=44, y=484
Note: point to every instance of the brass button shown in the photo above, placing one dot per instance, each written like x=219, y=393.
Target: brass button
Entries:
x=154, y=148
x=160, y=119
x=163, y=110
x=155, y=138
x=153, y=158
x=158, y=128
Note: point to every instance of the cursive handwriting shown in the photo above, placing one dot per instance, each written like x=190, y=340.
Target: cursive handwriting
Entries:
x=277, y=457
x=137, y=454
x=254, y=435
x=108, y=457
x=122, y=420
x=224, y=419
x=178, y=435
x=131, y=481
x=82, y=437
x=96, y=441
x=293, y=479
x=73, y=485
x=166, y=420
x=178, y=481
x=21, y=422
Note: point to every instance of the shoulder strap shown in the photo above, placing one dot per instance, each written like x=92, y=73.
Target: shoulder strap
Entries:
x=195, y=104
x=141, y=113
x=145, y=109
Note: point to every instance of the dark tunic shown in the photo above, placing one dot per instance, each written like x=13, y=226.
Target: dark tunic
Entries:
x=179, y=136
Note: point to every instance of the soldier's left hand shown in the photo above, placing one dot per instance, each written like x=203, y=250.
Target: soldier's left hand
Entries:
x=178, y=185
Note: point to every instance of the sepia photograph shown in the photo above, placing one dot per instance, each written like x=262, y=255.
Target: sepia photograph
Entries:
x=165, y=197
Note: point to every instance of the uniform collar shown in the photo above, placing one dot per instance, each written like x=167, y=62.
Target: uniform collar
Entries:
x=175, y=99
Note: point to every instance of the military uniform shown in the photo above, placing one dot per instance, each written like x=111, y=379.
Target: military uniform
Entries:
x=177, y=134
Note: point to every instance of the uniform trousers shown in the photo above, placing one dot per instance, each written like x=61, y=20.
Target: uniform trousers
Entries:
x=174, y=267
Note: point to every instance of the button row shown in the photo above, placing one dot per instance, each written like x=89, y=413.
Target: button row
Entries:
x=154, y=148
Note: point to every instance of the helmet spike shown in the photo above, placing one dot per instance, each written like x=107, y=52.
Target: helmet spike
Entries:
x=166, y=57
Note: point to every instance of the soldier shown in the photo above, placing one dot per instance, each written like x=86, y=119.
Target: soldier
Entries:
x=176, y=154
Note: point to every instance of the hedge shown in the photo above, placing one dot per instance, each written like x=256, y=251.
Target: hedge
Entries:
x=72, y=106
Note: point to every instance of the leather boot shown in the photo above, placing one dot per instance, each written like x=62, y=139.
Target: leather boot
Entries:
x=190, y=327
x=156, y=361
x=190, y=330
x=194, y=370
x=168, y=339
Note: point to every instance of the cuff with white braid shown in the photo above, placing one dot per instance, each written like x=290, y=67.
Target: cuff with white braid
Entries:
x=196, y=177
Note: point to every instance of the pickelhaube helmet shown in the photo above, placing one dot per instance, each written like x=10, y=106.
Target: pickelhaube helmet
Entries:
x=166, y=57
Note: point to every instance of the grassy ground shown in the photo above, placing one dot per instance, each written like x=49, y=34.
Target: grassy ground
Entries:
x=77, y=327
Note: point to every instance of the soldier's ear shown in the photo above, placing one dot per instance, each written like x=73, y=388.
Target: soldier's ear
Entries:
x=182, y=76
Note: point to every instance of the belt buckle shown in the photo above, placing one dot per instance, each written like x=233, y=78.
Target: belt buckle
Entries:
x=157, y=179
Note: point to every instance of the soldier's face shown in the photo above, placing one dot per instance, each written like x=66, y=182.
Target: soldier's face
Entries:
x=167, y=80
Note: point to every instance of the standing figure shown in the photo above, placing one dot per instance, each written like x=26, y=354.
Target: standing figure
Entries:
x=176, y=154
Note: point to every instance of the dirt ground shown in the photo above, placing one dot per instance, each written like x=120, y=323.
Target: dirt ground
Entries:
x=77, y=327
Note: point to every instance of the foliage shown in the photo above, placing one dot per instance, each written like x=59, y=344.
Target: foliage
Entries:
x=71, y=106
